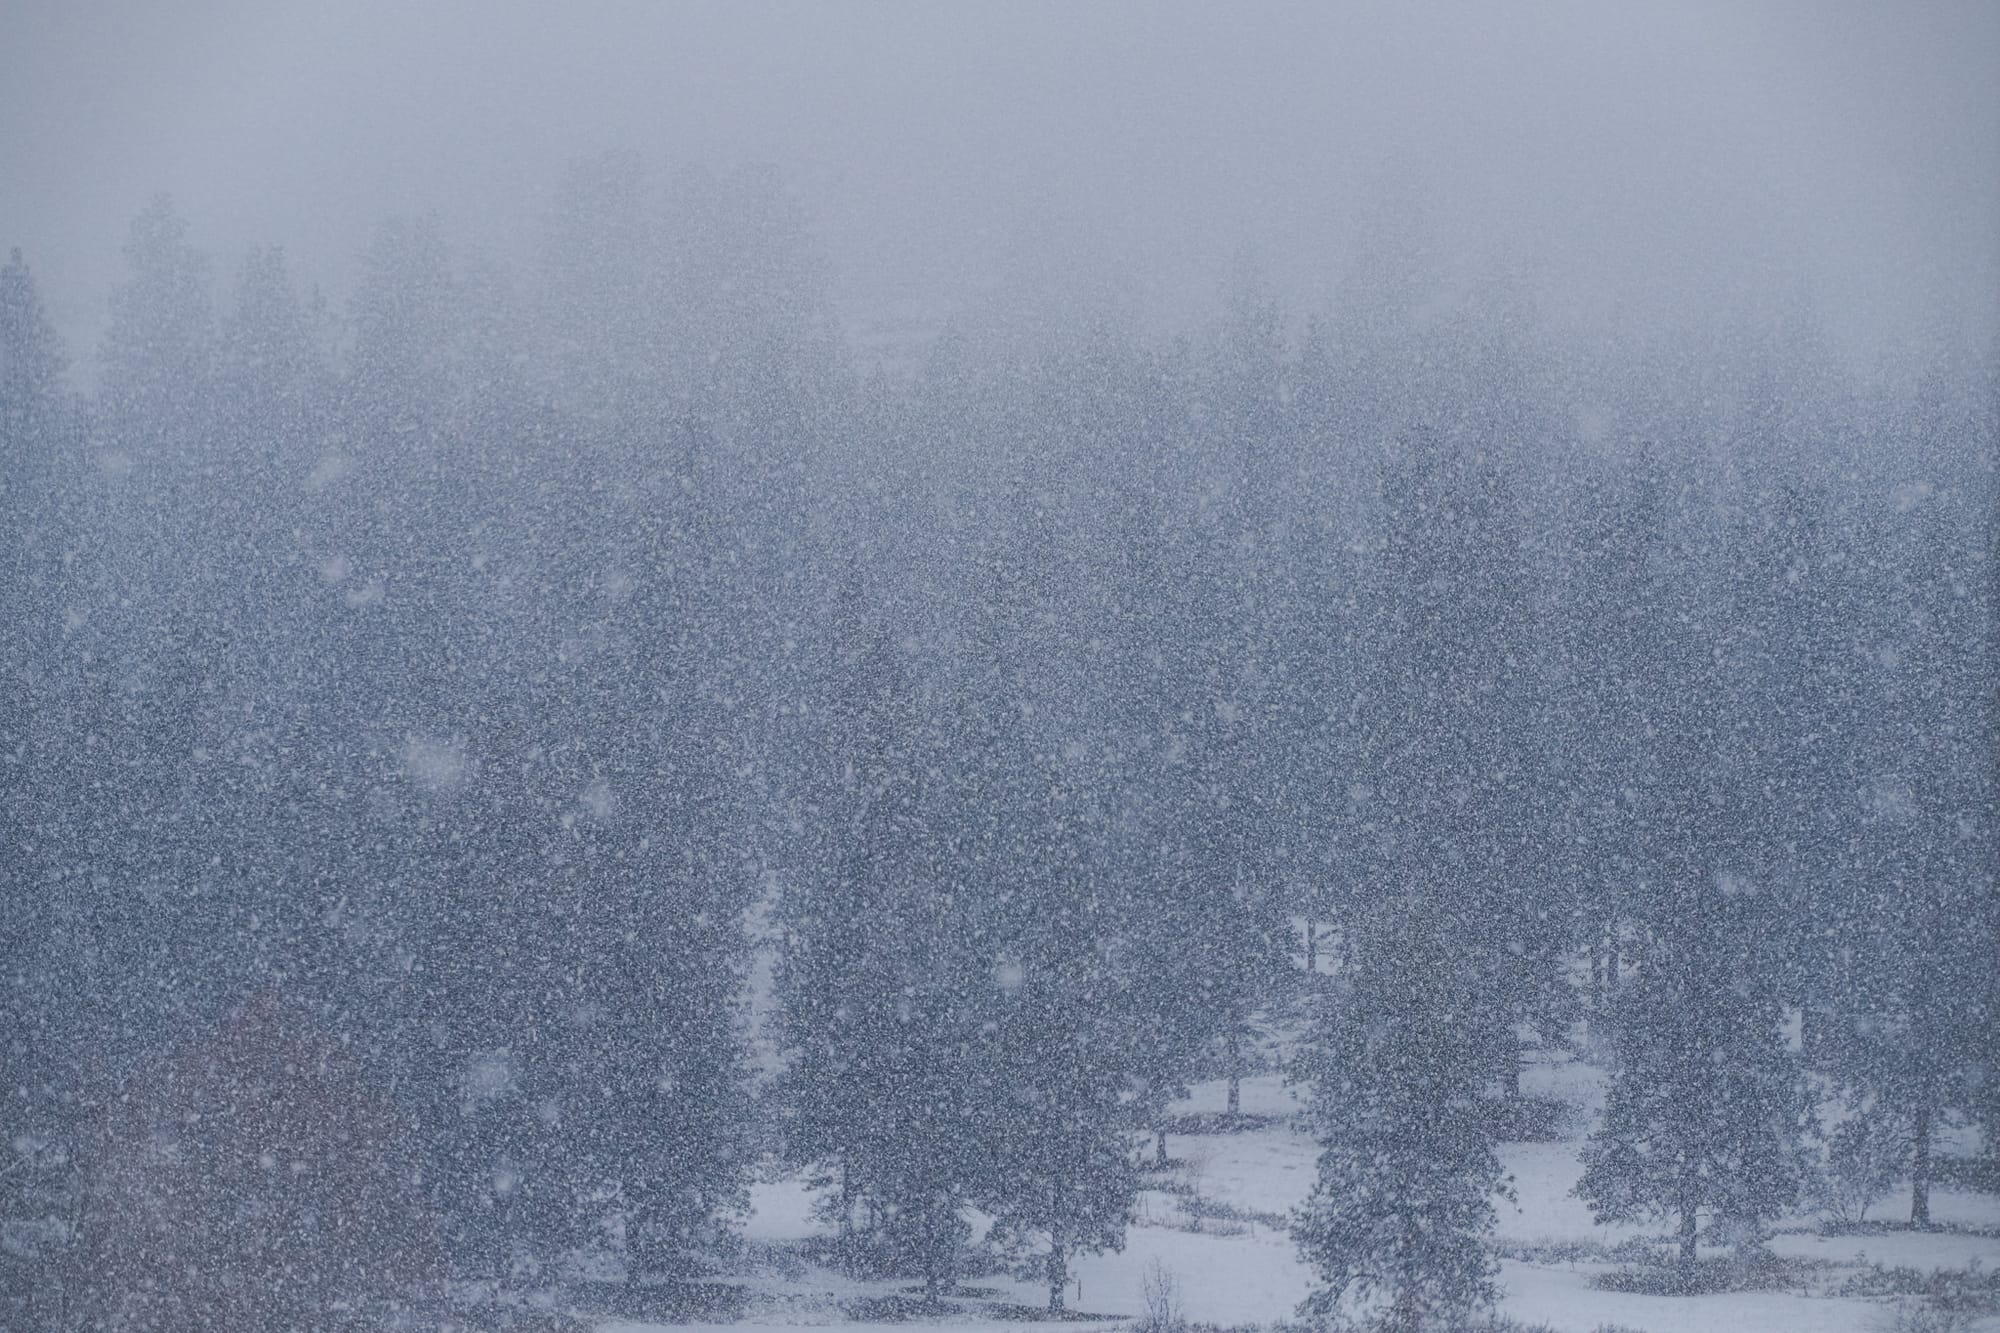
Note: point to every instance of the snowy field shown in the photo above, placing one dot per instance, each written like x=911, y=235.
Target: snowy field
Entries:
x=1214, y=1220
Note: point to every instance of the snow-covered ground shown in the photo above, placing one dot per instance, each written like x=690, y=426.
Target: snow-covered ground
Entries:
x=1235, y=1265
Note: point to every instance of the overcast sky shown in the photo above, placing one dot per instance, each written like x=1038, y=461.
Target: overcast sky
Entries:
x=1630, y=161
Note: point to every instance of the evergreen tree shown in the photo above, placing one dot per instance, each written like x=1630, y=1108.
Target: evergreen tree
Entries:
x=31, y=366
x=1913, y=1019
x=1063, y=1067
x=35, y=513
x=1448, y=742
x=143, y=689
x=888, y=986
x=159, y=351
x=1706, y=1109
x=39, y=530
x=1407, y=1172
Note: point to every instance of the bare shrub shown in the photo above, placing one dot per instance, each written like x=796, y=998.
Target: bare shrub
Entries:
x=1916, y=1317
x=1193, y=1169
x=1165, y=1310
x=1862, y=1161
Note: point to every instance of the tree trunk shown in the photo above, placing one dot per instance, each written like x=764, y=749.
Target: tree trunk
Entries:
x=1160, y=1148
x=1235, y=1076
x=1404, y=1314
x=1406, y=1311
x=1689, y=1230
x=1058, y=1273
x=938, y=1246
x=947, y=1255
x=1596, y=977
x=1312, y=948
x=1920, y=1167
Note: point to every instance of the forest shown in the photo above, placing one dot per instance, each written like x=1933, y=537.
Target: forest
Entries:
x=495, y=766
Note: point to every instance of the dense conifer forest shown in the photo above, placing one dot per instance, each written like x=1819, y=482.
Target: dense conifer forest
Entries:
x=493, y=766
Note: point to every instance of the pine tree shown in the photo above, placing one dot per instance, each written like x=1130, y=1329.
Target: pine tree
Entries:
x=31, y=367
x=1206, y=915
x=36, y=508
x=1448, y=725
x=1633, y=543
x=1407, y=1171
x=1706, y=1110
x=39, y=527
x=145, y=651
x=1063, y=1058
x=827, y=974
x=1914, y=1021
x=159, y=351
x=887, y=986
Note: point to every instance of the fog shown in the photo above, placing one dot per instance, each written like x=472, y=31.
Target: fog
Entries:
x=1631, y=164
x=1207, y=666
